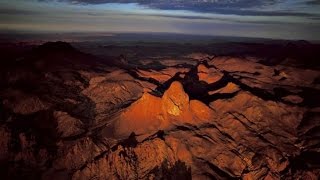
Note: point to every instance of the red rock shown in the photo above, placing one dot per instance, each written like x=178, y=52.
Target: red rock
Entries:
x=228, y=89
x=208, y=75
x=162, y=75
x=175, y=100
x=150, y=114
x=66, y=125
x=293, y=99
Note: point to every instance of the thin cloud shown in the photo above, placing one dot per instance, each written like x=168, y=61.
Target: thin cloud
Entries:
x=10, y=11
x=236, y=7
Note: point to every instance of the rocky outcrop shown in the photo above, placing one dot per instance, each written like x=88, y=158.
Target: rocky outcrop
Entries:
x=151, y=114
x=208, y=75
x=139, y=162
x=228, y=89
x=68, y=126
x=109, y=95
x=201, y=117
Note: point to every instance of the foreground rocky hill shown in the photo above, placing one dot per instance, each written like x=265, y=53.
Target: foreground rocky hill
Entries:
x=69, y=115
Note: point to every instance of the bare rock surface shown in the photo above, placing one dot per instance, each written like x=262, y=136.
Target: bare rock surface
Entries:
x=208, y=75
x=109, y=94
x=162, y=75
x=68, y=126
x=151, y=114
x=204, y=117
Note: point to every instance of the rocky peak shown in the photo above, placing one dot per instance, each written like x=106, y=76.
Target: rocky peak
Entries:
x=202, y=69
x=208, y=75
x=175, y=100
x=150, y=113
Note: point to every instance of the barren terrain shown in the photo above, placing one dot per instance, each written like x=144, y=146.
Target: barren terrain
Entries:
x=170, y=111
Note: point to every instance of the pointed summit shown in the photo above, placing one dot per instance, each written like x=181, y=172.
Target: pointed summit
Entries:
x=175, y=100
x=150, y=113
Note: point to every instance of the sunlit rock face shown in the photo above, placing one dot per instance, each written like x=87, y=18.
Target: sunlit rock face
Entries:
x=143, y=116
x=208, y=75
x=150, y=113
x=175, y=101
x=162, y=75
x=228, y=89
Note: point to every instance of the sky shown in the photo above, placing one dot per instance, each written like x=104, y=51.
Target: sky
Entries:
x=277, y=19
